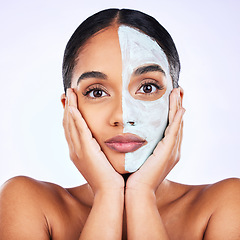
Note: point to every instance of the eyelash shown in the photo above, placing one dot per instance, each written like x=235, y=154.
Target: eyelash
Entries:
x=154, y=83
x=94, y=88
x=100, y=88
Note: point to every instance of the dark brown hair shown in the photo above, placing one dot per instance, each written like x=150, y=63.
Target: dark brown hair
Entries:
x=131, y=18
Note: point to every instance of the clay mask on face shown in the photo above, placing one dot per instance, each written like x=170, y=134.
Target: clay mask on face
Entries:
x=150, y=117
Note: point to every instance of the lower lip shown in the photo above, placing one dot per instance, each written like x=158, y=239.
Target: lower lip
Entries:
x=125, y=147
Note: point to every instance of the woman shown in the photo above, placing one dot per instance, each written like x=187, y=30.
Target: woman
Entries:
x=120, y=72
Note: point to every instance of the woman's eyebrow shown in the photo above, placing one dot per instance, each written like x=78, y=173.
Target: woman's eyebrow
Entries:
x=149, y=68
x=92, y=74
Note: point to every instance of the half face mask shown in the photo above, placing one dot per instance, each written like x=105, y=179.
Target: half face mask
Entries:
x=147, y=119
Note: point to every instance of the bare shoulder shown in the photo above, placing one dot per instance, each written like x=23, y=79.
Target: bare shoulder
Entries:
x=203, y=211
x=21, y=214
x=25, y=185
x=224, y=199
x=216, y=194
x=31, y=209
x=231, y=185
x=222, y=195
x=24, y=190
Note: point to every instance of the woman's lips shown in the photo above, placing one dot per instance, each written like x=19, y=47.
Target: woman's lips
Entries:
x=125, y=143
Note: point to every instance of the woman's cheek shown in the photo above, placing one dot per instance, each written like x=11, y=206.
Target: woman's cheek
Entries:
x=95, y=117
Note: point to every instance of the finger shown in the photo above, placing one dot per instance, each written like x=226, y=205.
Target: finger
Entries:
x=80, y=123
x=176, y=152
x=81, y=126
x=70, y=129
x=171, y=136
x=73, y=134
x=72, y=97
x=67, y=133
x=173, y=105
x=65, y=123
x=181, y=93
x=177, y=148
x=81, y=135
x=179, y=141
x=180, y=138
x=164, y=155
x=175, y=125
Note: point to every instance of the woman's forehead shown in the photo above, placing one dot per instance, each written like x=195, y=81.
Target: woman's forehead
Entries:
x=138, y=49
x=100, y=53
x=114, y=48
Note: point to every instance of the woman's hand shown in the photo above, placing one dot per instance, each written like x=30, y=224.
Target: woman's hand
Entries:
x=107, y=185
x=166, y=153
x=85, y=152
x=141, y=186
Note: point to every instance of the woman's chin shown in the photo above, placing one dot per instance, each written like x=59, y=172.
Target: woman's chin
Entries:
x=120, y=169
x=117, y=161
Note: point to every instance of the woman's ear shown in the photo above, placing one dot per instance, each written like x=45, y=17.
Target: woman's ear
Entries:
x=181, y=94
x=63, y=99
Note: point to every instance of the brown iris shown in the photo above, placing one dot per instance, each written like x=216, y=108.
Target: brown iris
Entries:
x=97, y=93
x=147, y=88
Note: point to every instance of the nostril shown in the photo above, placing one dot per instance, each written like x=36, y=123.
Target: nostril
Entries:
x=116, y=123
x=131, y=123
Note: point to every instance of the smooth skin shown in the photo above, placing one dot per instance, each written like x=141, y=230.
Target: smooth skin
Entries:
x=143, y=206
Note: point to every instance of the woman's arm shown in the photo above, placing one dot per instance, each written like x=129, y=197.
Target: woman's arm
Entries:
x=143, y=219
x=105, y=218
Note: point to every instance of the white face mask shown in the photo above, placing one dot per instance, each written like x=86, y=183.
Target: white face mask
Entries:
x=150, y=117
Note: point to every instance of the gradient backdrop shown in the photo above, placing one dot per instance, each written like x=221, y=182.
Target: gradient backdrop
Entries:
x=33, y=38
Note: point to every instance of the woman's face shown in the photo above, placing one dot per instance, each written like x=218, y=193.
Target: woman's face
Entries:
x=122, y=82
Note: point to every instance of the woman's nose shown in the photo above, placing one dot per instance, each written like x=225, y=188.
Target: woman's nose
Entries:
x=132, y=123
x=116, y=115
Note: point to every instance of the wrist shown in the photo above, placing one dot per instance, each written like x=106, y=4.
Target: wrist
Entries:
x=112, y=193
x=114, y=186
x=110, y=201
x=139, y=189
x=143, y=195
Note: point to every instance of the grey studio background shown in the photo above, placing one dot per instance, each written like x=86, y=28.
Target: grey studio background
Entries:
x=33, y=38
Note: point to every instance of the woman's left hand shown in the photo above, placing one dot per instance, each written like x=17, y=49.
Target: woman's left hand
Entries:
x=165, y=155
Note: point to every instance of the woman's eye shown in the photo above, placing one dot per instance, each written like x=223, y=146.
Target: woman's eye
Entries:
x=96, y=93
x=147, y=88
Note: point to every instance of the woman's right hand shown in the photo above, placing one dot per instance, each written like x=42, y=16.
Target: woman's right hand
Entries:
x=107, y=185
x=85, y=152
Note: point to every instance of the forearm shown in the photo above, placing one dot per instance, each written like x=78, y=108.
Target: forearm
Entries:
x=105, y=218
x=143, y=218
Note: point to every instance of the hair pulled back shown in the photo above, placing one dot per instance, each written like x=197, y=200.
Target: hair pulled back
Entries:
x=128, y=17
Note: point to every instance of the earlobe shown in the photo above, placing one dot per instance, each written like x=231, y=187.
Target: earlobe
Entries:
x=181, y=94
x=63, y=99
